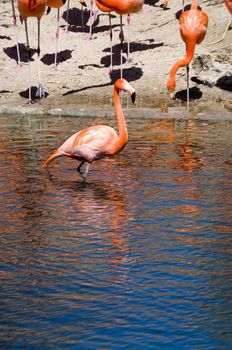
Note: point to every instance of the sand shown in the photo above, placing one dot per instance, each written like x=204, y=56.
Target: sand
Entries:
x=82, y=77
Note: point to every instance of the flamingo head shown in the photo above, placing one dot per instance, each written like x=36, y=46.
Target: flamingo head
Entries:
x=171, y=84
x=123, y=85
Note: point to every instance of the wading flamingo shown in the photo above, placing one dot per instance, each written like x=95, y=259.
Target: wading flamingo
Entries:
x=228, y=4
x=193, y=25
x=98, y=141
x=56, y=4
x=28, y=8
x=123, y=7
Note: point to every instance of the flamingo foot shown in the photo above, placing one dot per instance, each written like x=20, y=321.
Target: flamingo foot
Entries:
x=111, y=70
x=87, y=36
x=30, y=102
x=19, y=65
x=55, y=67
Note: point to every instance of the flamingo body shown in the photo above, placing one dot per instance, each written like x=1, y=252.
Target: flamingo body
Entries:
x=102, y=7
x=28, y=8
x=55, y=3
x=193, y=25
x=123, y=7
x=98, y=141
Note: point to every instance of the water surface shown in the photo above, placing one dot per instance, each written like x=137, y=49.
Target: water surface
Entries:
x=139, y=257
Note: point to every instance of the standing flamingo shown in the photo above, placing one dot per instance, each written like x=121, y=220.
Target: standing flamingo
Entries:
x=98, y=141
x=28, y=8
x=228, y=4
x=56, y=4
x=193, y=25
x=122, y=7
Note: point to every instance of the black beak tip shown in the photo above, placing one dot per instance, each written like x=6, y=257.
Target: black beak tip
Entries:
x=84, y=4
x=133, y=96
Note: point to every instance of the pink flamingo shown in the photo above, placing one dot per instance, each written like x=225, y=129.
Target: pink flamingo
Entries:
x=98, y=141
x=27, y=8
x=193, y=25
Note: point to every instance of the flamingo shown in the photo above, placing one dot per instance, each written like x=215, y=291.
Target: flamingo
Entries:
x=98, y=141
x=56, y=4
x=123, y=7
x=27, y=8
x=228, y=4
x=193, y=26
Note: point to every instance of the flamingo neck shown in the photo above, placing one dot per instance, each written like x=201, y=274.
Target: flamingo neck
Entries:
x=190, y=48
x=194, y=5
x=123, y=134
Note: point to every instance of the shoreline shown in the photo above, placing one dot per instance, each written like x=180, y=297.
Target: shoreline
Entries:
x=82, y=79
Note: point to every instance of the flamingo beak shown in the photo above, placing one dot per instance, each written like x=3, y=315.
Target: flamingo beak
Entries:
x=172, y=95
x=133, y=96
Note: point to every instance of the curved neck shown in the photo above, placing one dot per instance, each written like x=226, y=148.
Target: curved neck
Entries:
x=194, y=5
x=123, y=134
x=190, y=48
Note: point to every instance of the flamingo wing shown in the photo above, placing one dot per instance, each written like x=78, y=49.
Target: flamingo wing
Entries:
x=90, y=144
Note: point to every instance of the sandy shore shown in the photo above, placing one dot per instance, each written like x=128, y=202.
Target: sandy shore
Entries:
x=82, y=77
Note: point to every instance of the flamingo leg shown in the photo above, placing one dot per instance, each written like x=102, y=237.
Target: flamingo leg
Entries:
x=187, y=68
x=86, y=171
x=128, y=42
x=111, y=46
x=79, y=167
x=121, y=46
x=83, y=175
x=67, y=13
x=29, y=62
x=223, y=37
x=17, y=43
x=57, y=38
x=182, y=6
x=91, y=19
x=39, y=92
x=82, y=18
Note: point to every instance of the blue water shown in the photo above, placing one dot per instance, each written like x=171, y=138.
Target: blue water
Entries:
x=139, y=257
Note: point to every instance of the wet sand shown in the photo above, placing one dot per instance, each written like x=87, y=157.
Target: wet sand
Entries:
x=82, y=81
